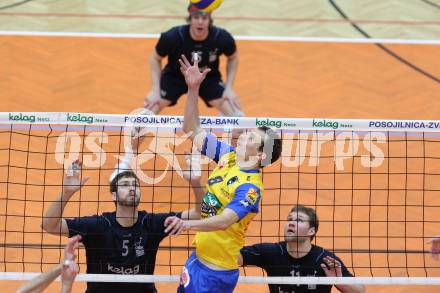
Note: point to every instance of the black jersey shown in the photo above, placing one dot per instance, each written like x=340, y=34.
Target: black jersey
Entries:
x=276, y=261
x=177, y=41
x=113, y=249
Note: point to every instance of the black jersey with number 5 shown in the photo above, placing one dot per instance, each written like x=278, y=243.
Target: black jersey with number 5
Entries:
x=113, y=249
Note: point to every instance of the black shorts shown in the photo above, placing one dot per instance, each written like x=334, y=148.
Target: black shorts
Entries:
x=172, y=88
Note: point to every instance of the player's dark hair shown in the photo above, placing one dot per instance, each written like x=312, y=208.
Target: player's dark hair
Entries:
x=271, y=145
x=311, y=213
x=124, y=174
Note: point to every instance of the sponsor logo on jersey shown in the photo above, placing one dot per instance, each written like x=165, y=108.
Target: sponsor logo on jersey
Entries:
x=123, y=271
x=252, y=196
x=232, y=180
x=213, y=55
x=184, y=278
x=221, y=164
x=215, y=180
x=212, y=200
x=138, y=248
x=210, y=205
x=225, y=192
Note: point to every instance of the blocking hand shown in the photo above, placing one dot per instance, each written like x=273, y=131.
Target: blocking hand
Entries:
x=70, y=268
x=72, y=179
x=193, y=170
x=331, y=267
x=192, y=74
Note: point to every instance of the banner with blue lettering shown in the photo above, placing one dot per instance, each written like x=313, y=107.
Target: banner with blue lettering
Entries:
x=163, y=121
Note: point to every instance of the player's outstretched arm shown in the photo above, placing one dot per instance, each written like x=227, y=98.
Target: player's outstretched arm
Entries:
x=39, y=283
x=193, y=174
x=66, y=267
x=193, y=79
x=70, y=268
x=175, y=225
x=52, y=221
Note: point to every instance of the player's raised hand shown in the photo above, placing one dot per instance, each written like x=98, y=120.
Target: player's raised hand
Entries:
x=435, y=247
x=71, y=246
x=331, y=267
x=192, y=74
x=70, y=268
x=193, y=170
x=69, y=272
x=72, y=179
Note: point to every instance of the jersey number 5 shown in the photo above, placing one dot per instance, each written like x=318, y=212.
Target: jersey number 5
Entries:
x=125, y=247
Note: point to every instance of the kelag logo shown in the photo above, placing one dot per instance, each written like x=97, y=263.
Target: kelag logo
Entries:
x=325, y=123
x=21, y=117
x=268, y=122
x=79, y=118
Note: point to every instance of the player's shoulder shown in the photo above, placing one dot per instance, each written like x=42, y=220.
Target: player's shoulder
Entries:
x=150, y=219
x=276, y=248
x=176, y=31
x=95, y=221
x=220, y=31
x=272, y=249
x=144, y=217
x=107, y=218
x=247, y=186
x=228, y=159
x=251, y=179
x=319, y=252
x=94, y=217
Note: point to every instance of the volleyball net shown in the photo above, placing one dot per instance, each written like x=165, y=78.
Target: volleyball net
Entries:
x=374, y=184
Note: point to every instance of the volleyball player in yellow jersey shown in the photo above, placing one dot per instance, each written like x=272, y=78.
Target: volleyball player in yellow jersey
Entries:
x=234, y=191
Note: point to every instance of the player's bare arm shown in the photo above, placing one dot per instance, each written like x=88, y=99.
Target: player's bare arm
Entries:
x=193, y=174
x=174, y=225
x=193, y=78
x=231, y=72
x=67, y=268
x=153, y=97
x=53, y=222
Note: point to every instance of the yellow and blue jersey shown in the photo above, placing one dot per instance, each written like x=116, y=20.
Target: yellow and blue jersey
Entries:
x=228, y=187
